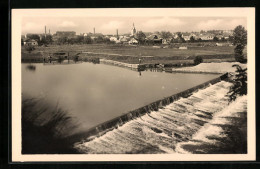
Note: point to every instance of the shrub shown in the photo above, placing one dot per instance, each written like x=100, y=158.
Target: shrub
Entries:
x=45, y=129
x=197, y=60
x=29, y=48
x=239, y=87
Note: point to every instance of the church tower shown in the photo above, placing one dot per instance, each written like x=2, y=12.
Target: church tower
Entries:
x=133, y=31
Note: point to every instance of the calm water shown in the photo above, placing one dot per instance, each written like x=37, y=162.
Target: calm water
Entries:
x=95, y=93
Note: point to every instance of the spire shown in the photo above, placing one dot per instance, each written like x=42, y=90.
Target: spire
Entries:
x=133, y=24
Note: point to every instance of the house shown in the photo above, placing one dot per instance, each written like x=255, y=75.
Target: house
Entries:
x=219, y=36
x=226, y=35
x=113, y=38
x=186, y=36
x=133, y=41
x=207, y=36
x=31, y=42
x=165, y=41
x=124, y=39
x=155, y=39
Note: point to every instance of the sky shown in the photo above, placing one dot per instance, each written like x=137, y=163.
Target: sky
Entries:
x=109, y=24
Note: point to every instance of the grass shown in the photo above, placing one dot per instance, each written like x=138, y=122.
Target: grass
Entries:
x=45, y=128
x=131, y=54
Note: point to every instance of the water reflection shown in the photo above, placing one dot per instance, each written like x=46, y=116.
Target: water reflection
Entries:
x=31, y=67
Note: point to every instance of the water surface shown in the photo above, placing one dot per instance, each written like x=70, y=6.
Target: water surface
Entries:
x=95, y=93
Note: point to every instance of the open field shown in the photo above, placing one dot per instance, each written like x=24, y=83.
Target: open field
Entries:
x=131, y=54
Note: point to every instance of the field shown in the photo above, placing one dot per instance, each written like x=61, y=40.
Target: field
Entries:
x=131, y=54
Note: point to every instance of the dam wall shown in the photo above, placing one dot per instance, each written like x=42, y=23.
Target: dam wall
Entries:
x=122, y=64
x=101, y=129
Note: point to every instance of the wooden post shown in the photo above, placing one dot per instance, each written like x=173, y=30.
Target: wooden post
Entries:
x=68, y=57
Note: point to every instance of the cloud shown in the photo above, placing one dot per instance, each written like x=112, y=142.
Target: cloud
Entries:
x=220, y=24
x=163, y=23
x=66, y=24
x=235, y=22
x=112, y=25
x=32, y=27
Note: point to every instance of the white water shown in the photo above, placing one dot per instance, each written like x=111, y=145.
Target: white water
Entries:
x=211, y=133
x=160, y=131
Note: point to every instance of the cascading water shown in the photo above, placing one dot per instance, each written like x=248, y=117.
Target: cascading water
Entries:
x=161, y=131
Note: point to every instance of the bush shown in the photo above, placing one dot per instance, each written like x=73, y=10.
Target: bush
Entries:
x=198, y=60
x=29, y=48
x=239, y=87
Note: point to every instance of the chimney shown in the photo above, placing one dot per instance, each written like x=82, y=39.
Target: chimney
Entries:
x=94, y=31
x=49, y=31
x=117, y=34
x=45, y=30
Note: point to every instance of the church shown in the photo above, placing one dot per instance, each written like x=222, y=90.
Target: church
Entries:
x=133, y=31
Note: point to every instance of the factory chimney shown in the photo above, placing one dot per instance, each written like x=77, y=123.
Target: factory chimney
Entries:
x=117, y=34
x=45, y=31
x=94, y=31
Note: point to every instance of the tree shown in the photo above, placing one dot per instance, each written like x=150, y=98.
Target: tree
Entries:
x=79, y=39
x=29, y=48
x=192, y=39
x=240, y=41
x=198, y=60
x=48, y=39
x=99, y=39
x=215, y=39
x=180, y=38
x=87, y=40
x=34, y=36
x=62, y=40
x=239, y=83
x=166, y=35
x=141, y=37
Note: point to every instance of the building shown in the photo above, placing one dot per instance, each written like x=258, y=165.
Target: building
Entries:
x=207, y=36
x=133, y=31
x=133, y=41
x=65, y=34
x=30, y=42
x=186, y=36
x=155, y=39
x=124, y=39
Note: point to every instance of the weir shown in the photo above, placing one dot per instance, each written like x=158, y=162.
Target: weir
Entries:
x=103, y=128
x=122, y=64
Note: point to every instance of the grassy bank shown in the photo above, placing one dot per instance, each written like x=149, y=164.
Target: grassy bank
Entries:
x=131, y=54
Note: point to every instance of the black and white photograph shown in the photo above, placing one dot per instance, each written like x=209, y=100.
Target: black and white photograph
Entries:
x=113, y=84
